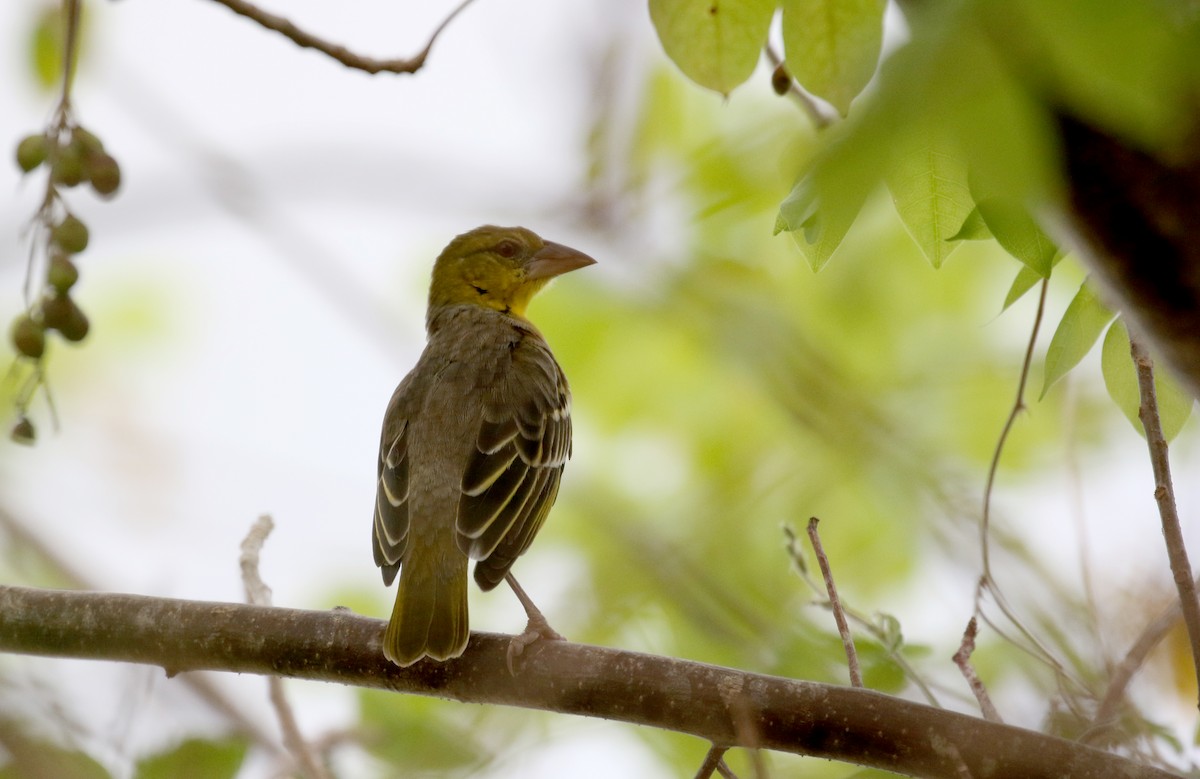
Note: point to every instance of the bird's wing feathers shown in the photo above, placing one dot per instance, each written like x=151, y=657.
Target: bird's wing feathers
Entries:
x=390, y=530
x=512, y=477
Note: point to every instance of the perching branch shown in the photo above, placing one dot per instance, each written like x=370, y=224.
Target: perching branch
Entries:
x=340, y=53
x=1164, y=495
x=839, y=723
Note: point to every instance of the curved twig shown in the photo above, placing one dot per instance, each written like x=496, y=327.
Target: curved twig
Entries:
x=340, y=53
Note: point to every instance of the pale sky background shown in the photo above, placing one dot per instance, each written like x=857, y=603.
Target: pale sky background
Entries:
x=284, y=212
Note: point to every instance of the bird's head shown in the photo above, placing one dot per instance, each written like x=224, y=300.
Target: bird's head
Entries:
x=500, y=268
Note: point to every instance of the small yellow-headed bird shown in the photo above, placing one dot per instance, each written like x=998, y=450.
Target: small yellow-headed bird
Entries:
x=474, y=441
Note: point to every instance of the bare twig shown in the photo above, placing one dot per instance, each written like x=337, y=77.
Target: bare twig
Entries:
x=838, y=615
x=1164, y=495
x=871, y=626
x=962, y=659
x=713, y=759
x=70, y=48
x=988, y=582
x=815, y=114
x=1122, y=674
x=1017, y=407
x=340, y=53
x=259, y=594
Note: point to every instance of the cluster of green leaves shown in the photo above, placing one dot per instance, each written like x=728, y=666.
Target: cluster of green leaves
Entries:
x=960, y=127
x=832, y=46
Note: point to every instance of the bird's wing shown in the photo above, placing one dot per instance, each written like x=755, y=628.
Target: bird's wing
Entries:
x=390, y=529
x=511, y=478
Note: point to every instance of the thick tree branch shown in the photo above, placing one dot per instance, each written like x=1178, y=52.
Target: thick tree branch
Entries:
x=838, y=723
x=1138, y=216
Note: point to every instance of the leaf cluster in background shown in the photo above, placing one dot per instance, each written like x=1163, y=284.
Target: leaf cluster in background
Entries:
x=832, y=46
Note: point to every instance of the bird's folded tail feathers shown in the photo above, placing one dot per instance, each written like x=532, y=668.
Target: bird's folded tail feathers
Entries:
x=430, y=616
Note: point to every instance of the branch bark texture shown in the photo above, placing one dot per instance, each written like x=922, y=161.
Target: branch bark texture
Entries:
x=1138, y=215
x=839, y=723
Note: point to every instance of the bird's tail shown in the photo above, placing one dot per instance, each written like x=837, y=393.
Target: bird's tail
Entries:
x=430, y=616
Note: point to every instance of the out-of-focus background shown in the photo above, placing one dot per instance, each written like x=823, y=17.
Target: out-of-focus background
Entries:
x=256, y=290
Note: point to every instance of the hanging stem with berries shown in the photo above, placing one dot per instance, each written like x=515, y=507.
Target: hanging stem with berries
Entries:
x=72, y=155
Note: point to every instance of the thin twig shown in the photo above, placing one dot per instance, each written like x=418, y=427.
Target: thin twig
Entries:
x=815, y=114
x=988, y=582
x=711, y=761
x=340, y=53
x=259, y=594
x=838, y=615
x=1017, y=407
x=872, y=627
x=1164, y=495
x=1122, y=674
x=70, y=48
x=962, y=659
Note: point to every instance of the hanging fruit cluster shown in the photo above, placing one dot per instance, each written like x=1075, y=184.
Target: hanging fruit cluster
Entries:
x=73, y=156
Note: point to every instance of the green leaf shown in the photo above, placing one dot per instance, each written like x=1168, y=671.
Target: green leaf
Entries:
x=973, y=228
x=1120, y=379
x=825, y=202
x=195, y=759
x=833, y=45
x=1019, y=234
x=1113, y=62
x=1025, y=281
x=929, y=188
x=823, y=218
x=716, y=43
x=1076, y=334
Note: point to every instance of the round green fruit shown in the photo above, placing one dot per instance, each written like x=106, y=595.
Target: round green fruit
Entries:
x=28, y=337
x=104, y=173
x=70, y=235
x=31, y=152
x=62, y=273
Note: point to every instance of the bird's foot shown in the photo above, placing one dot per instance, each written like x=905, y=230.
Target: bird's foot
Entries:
x=537, y=629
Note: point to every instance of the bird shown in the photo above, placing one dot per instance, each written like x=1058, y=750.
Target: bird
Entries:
x=473, y=444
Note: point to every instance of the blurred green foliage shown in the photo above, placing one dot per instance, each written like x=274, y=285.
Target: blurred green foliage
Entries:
x=195, y=759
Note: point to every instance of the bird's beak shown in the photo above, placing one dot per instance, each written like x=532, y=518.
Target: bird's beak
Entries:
x=554, y=259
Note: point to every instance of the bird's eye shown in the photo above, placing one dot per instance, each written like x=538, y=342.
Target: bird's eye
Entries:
x=507, y=249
